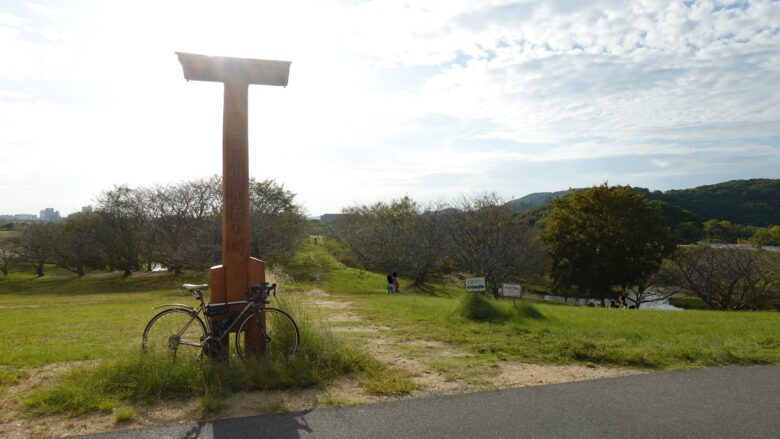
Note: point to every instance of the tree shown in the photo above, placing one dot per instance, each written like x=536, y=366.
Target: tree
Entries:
x=204, y=247
x=651, y=290
x=401, y=235
x=278, y=224
x=725, y=232
x=489, y=240
x=75, y=244
x=766, y=236
x=689, y=232
x=34, y=244
x=171, y=215
x=7, y=255
x=605, y=237
x=727, y=278
x=121, y=227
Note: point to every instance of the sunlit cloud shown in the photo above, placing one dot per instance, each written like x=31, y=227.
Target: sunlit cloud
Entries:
x=388, y=97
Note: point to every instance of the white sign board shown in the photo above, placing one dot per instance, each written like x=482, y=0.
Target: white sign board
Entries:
x=512, y=290
x=475, y=284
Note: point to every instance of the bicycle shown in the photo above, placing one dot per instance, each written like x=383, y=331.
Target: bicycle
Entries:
x=179, y=330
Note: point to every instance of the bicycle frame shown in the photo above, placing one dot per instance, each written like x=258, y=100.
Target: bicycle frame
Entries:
x=250, y=307
x=216, y=328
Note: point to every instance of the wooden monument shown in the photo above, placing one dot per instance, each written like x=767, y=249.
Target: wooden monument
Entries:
x=230, y=281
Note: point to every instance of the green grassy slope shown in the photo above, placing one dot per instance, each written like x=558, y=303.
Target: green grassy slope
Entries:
x=564, y=334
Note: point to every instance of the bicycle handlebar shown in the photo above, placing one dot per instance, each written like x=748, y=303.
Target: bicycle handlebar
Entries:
x=261, y=291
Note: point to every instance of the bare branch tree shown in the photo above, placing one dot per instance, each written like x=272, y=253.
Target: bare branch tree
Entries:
x=122, y=224
x=278, y=224
x=75, y=243
x=650, y=290
x=398, y=236
x=34, y=244
x=727, y=278
x=7, y=255
x=490, y=241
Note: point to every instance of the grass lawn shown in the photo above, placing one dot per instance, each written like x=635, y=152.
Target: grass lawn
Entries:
x=101, y=316
x=558, y=334
x=60, y=317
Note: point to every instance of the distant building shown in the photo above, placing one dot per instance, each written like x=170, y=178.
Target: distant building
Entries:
x=19, y=217
x=49, y=214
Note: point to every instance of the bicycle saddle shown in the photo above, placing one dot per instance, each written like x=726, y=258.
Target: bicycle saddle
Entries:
x=190, y=287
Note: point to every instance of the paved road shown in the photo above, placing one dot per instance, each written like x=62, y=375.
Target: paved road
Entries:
x=728, y=402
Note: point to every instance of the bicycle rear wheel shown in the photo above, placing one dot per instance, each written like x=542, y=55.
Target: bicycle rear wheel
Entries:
x=275, y=327
x=175, y=332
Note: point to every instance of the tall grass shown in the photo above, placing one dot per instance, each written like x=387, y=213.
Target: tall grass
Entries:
x=140, y=379
x=481, y=308
x=478, y=308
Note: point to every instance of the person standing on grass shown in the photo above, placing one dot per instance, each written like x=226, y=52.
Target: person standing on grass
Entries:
x=396, y=283
x=390, y=284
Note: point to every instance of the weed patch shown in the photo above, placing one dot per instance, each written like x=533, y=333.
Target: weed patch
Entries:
x=388, y=382
x=124, y=415
x=478, y=308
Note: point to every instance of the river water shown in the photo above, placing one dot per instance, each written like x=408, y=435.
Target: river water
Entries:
x=661, y=304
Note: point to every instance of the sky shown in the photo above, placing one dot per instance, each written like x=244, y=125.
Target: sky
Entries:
x=431, y=99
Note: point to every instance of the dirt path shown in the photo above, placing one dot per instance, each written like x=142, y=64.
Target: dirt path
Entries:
x=415, y=357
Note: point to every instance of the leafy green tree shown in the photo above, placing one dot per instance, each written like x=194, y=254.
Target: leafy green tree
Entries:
x=724, y=231
x=689, y=232
x=766, y=236
x=605, y=237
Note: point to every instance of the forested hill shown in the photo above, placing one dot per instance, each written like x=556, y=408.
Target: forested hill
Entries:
x=747, y=202
x=532, y=201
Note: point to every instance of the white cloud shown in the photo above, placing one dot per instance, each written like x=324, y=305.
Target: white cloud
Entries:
x=402, y=97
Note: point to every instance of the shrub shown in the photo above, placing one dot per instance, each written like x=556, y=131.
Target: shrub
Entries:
x=478, y=307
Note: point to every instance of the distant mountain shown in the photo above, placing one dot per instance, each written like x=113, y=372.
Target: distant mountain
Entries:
x=746, y=202
x=330, y=217
x=755, y=202
x=532, y=201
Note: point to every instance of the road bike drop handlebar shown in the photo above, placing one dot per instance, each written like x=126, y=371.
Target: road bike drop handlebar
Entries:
x=260, y=292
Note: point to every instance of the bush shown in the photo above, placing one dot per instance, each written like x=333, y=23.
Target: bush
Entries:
x=688, y=302
x=478, y=307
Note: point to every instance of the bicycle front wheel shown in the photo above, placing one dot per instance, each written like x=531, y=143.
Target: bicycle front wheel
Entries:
x=276, y=333
x=175, y=332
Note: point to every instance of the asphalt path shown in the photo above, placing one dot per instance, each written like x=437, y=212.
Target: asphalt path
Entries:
x=722, y=402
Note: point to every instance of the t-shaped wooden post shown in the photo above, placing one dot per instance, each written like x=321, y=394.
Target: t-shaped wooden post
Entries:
x=230, y=281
